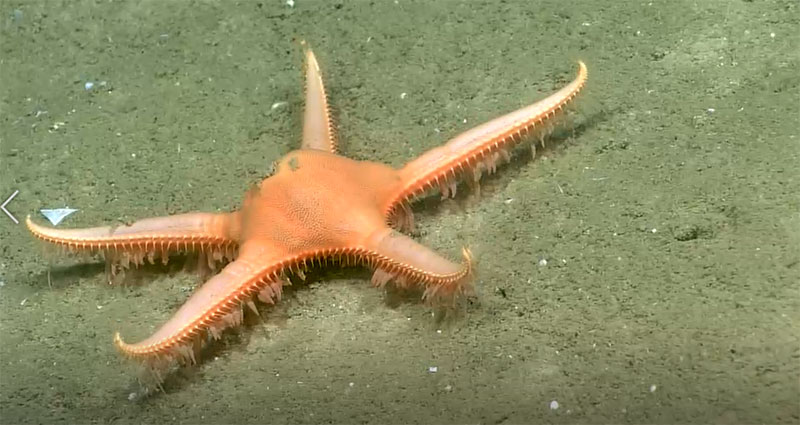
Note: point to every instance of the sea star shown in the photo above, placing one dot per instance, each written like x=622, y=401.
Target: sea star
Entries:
x=317, y=207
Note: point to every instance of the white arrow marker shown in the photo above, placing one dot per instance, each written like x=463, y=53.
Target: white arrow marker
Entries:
x=3, y=207
x=57, y=214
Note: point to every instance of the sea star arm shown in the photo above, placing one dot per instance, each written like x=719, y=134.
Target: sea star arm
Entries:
x=214, y=234
x=318, y=130
x=216, y=305
x=479, y=148
x=397, y=257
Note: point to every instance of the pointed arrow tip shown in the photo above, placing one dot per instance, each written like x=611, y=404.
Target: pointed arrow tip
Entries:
x=56, y=215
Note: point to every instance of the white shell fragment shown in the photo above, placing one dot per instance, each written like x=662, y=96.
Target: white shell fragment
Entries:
x=56, y=215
